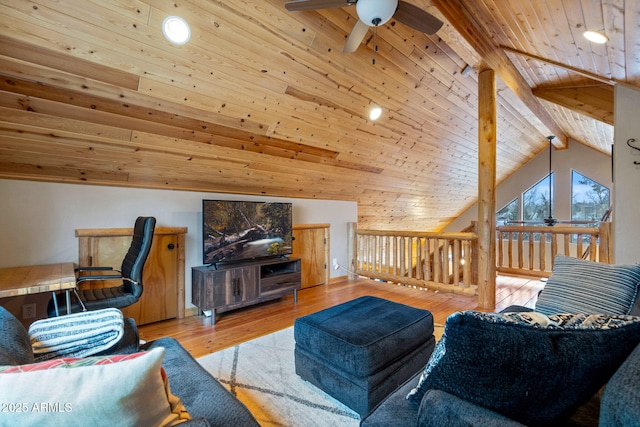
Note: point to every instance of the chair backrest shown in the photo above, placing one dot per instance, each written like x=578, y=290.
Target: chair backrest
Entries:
x=134, y=260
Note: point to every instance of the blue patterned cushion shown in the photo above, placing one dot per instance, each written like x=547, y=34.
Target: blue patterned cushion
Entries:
x=529, y=367
x=580, y=286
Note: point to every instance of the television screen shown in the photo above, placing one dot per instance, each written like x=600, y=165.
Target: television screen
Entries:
x=237, y=230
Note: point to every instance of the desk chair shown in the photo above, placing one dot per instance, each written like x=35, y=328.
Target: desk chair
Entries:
x=130, y=273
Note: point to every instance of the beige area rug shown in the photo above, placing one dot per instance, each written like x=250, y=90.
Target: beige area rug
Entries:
x=261, y=373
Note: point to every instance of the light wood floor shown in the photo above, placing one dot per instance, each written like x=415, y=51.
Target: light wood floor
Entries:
x=197, y=335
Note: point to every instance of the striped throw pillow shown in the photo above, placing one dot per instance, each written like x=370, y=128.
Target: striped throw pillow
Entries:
x=580, y=286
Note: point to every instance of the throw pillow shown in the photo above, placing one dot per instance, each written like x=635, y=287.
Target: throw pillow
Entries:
x=123, y=390
x=77, y=334
x=581, y=286
x=529, y=367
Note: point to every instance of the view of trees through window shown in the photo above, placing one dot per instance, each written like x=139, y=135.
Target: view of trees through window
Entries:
x=536, y=200
x=589, y=199
x=508, y=213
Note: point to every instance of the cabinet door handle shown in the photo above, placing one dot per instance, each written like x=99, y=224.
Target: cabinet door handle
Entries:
x=237, y=289
x=171, y=246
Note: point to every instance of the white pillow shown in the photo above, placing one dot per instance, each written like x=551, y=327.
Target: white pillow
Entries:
x=123, y=390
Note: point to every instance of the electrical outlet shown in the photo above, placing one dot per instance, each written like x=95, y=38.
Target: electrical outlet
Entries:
x=335, y=264
x=28, y=311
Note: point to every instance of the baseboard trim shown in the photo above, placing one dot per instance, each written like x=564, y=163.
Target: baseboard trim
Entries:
x=191, y=311
x=338, y=279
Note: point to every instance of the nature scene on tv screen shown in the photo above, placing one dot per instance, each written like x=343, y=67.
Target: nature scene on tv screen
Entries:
x=235, y=230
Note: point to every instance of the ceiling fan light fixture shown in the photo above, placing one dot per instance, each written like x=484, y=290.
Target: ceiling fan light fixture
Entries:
x=595, y=37
x=375, y=113
x=376, y=12
x=176, y=30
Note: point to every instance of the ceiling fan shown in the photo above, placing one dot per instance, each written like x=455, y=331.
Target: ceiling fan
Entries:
x=550, y=221
x=373, y=13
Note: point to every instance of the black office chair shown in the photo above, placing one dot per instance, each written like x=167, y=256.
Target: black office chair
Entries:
x=131, y=274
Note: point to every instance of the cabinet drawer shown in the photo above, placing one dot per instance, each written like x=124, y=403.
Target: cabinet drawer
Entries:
x=279, y=283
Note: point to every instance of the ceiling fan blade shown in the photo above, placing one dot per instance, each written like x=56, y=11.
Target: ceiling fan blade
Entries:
x=300, y=5
x=355, y=38
x=417, y=18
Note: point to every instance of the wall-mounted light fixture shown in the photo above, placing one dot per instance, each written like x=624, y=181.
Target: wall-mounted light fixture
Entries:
x=176, y=30
x=595, y=37
x=375, y=113
x=466, y=71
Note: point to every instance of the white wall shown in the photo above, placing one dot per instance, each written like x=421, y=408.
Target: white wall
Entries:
x=38, y=220
x=578, y=157
x=626, y=199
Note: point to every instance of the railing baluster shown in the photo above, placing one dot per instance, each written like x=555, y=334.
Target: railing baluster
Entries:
x=428, y=265
x=593, y=242
x=466, y=256
x=579, y=245
x=510, y=246
x=542, y=241
x=543, y=252
x=520, y=251
x=456, y=263
x=532, y=252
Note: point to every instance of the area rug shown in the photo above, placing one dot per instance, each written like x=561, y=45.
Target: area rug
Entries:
x=261, y=373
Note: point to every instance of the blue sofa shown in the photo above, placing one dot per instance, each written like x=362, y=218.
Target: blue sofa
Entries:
x=206, y=400
x=608, y=356
x=618, y=406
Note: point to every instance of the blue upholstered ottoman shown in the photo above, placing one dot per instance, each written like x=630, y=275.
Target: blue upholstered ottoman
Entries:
x=362, y=350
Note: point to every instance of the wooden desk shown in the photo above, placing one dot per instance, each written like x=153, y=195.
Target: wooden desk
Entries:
x=35, y=279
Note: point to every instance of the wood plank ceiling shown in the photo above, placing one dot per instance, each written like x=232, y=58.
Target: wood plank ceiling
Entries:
x=262, y=101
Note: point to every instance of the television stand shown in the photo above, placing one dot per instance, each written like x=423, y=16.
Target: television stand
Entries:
x=226, y=287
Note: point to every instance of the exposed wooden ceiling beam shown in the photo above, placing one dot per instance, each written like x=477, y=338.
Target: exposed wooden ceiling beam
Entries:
x=592, y=101
x=496, y=59
x=576, y=70
x=138, y=116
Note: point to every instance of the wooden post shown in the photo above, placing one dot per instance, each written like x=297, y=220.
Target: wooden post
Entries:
x=487, y=190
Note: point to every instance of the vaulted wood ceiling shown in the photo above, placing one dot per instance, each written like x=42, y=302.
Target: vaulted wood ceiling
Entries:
x=262, y=101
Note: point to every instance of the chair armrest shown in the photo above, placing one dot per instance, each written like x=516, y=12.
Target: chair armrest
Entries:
x=82, y=279
x=96, y=268
x=620, y=404
x=439, y=408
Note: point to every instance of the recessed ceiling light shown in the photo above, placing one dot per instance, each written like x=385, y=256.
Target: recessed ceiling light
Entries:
x=375, y=113
x=176, y=30
x=595, y=37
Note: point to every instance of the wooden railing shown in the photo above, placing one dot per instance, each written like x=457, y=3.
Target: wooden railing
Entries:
x=436, y=261
x=530, y=250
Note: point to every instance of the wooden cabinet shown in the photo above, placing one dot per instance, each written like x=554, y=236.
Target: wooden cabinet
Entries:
x=163, y=276
x=231, y=286
x=311, y=245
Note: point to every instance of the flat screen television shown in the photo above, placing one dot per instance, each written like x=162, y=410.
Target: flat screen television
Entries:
x=239, y=230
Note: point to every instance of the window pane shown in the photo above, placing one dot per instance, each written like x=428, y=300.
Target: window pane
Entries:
x=536, y=200
x=589, y=199
x=508, y=213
